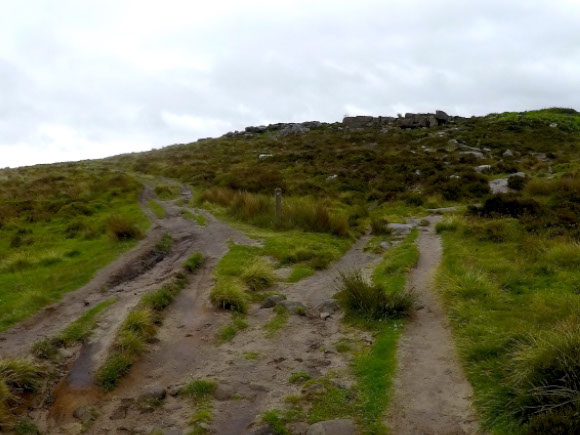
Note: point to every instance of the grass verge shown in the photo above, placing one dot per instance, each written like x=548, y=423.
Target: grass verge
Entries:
x=514, y=310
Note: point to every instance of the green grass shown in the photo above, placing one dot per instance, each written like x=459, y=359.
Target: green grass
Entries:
x=33, y=276
x=374, y=370
x=243, y=270
x=391, y=274
x=16, y=377
x=76, y=332
x=166, y=192
x=512, y=304
x=228, y=332
x=200, y=391
x=194, y=262
x=276, y=422
x=299, y=377
x=157, y=209
x=197, y=217
x=258, y=275
x=277, y=322
x=299, y=272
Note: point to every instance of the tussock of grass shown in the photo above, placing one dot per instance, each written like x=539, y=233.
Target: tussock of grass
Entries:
x=136, y=331
x=449, y=223
x=123, y=228
x=16, y=376
x=258, y=275
x=379, y=225
x=371, y=301
x=157, y=209
x=194, y=262
x=199, y=389
x=545, y=378
x=230, y=294
x=276, y=422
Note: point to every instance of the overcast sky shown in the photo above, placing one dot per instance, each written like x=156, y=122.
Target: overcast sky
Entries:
x=86, y=79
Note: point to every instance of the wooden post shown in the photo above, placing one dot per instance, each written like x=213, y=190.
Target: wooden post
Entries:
x=278, y=194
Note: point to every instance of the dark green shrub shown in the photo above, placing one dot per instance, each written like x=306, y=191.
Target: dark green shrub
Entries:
x=507, y=205
x=516, y=182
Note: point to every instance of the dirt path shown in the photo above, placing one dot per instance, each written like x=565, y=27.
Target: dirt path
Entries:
x=188, y=348
x=77, y=389
x=432, y=395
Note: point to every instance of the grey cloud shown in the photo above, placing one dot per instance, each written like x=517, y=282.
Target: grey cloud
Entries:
x=108, y=77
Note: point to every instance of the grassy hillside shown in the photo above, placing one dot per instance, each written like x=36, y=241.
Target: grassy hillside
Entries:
x=509, y=276
x=59, y=224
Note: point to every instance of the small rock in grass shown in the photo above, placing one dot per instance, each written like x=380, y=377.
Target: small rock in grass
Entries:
x=385, y=245
x=332, y=427
x=324, y=316
x=271, y=301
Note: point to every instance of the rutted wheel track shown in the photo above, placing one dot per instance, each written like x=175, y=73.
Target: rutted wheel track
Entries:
x=77, y=387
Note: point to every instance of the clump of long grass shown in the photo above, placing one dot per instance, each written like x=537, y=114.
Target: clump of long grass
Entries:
x=258, y=275
x=230, y=294
x=449, y=223
x=366, y=299
x=545, y=378
x=123, y=228
x=259, y=209
x=15, y=376
x=379, y=225
x=194, y=262
x=199, y=389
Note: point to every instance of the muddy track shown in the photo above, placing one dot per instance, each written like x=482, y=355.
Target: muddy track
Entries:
x=16, y=341
x=187, y=349
x=432, y=395
x=77, y=388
